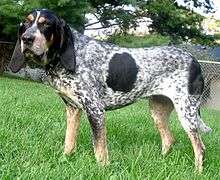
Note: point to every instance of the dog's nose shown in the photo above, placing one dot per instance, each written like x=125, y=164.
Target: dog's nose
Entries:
x=28, y=38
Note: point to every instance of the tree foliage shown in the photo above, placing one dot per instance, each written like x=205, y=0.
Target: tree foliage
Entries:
x=12, y=12
x=115, y=13
x=168, y=17
x=175, y=21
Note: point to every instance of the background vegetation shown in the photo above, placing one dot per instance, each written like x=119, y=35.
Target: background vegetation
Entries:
x=168, y=18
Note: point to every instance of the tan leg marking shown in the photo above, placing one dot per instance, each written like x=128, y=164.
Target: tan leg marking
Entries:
x=198, y=148
x=100, y=147
x=73, y=123
x=161, y=107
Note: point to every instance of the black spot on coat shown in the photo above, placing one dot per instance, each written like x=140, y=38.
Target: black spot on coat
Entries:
x=122, y=72
x=196, y=81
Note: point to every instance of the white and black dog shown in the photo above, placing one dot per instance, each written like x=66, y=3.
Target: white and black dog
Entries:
x=95, y=76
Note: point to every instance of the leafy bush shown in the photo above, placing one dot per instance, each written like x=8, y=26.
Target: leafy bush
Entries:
x=13, y=12
x=176, y=21
x=168, y=17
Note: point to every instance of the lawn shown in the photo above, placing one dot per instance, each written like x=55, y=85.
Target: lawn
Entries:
x=132, y=41
x=32, y=134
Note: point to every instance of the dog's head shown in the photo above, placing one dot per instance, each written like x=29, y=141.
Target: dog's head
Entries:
x=40, y=37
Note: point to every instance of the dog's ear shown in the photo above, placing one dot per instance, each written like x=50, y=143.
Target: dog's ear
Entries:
x=17, y=59
x=67, y=55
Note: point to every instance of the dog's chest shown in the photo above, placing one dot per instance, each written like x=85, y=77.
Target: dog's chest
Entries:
x=67, y=89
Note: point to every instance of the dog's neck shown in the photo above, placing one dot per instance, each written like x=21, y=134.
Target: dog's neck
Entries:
x=55, y=65
x=54, y=60
x=80, y=40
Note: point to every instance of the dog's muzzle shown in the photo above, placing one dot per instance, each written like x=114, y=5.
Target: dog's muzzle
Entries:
x=28, y=39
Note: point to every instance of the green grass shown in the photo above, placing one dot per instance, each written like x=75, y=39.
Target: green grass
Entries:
x=132, y=41
x=32, y=133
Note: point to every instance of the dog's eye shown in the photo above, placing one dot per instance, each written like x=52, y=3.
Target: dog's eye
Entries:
x=27, y=22
x=44, y=24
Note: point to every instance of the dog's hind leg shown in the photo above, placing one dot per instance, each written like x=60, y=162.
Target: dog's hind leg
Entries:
x=198, y=148
x=161, y=107
x=202, y=126
x=187, y=109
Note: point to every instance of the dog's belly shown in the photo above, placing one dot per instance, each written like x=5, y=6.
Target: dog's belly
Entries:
x=117, y=103
x=115, y=100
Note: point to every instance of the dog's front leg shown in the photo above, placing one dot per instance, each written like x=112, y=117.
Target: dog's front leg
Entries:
x=97, y=122
x=73, y=123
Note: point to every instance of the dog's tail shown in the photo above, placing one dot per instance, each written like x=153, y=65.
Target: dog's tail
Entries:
x=202, y=126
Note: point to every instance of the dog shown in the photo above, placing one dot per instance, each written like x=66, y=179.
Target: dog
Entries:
x=96, y=76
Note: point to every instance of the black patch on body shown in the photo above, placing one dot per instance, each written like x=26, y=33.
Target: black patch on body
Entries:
x=196, y=81
x=122, y=72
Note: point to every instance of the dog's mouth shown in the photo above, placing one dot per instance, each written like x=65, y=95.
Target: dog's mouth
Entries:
x=31, y=55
